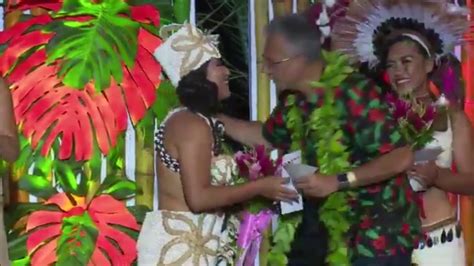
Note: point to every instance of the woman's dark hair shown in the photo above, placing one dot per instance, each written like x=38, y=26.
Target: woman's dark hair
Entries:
x=382, y=49
x=197, y=93
x=382, y=40
x=385, y=48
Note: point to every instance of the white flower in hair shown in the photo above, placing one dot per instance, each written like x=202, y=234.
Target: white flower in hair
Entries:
x=323, y=23
x=329, y=3
x=185, y=50
x=442, y=101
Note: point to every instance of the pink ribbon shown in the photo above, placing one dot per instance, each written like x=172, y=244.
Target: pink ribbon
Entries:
x=250, y=235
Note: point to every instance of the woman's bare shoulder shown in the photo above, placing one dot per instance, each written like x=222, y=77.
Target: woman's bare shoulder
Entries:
x=186, y=123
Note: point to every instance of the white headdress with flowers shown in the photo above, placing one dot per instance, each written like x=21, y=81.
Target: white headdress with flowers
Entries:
x=437, y=22
x=185, y=50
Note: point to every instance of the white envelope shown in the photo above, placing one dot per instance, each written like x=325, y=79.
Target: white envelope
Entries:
x=299, y=170
x=416, y=185
x=289, y=207
x=427, y=154
x=423, y=156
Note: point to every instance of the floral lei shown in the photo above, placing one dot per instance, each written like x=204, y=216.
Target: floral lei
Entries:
x=332, y=158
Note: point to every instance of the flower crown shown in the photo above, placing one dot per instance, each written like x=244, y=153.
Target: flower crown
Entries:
x=185, y=50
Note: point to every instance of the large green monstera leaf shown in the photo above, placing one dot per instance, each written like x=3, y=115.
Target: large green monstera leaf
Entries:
x=89, y=48
x=78, y=73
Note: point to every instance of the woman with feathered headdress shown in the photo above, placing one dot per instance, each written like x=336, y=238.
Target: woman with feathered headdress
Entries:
x=411, y=41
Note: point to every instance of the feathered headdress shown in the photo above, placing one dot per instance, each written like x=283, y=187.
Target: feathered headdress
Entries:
x=436, y=25
x=324, y=14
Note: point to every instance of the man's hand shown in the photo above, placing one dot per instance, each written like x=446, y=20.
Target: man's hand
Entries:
x=317, y=185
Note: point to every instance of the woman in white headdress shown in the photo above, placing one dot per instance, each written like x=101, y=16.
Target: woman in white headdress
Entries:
x=194, y=177
x=412, y=42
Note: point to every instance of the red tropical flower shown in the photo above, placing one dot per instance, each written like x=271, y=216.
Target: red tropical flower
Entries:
x=279, y=118
x=374, y=189
x=385, y=148
x=84, y=230
x=48, y=109
x=28, y=4
x=380, y=243
x=376, y=115
x=366, y=223
x=393, y=251
x=356, y=109
x=374, y=94
x=405, y=229
x=399, y=180
x=270, y=125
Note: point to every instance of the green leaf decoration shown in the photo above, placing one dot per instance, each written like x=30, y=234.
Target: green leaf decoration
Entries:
x=372, y=234
x=17, y=247
x=403, y=241
x=387, y=193
x=22, y=262
x=43, y=166
x=92, y=49
x=139, y=212
x=36, y=185
x=332, y=155
x=118, y=187
x=115, y=158
x=283, y=237
x=258, y=204
x=122, y=189
x=19, y=210
x=77, y=240
x=165, y=100
x=66, y=178
x=165, y=7
x=364, y=251
x=181, y=10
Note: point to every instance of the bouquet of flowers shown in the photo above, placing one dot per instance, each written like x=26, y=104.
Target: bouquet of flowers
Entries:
x=414, y=118
x=256, y=218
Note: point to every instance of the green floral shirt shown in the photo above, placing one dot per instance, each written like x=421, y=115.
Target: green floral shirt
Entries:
x=385, y=216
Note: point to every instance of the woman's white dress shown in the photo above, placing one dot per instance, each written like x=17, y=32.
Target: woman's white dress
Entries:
x=444, y=246
x=184, y=238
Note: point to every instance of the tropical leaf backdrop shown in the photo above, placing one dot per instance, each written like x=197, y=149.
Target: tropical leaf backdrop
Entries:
x=81, y=73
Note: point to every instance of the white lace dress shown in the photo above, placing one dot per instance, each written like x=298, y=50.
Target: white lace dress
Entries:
x=445, y=245
x=175, y=238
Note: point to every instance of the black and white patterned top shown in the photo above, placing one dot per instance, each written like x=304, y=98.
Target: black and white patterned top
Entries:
x=217, y=128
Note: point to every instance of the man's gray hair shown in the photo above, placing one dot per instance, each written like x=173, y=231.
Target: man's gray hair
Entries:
x=304, y=37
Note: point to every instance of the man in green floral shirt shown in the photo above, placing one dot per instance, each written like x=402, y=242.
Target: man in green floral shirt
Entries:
x=384, y=214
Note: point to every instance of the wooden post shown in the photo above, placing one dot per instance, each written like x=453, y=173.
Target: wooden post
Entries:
x=11, y=18
x=282, y=7
x=144, y=165
x=263, y=95
x=302, y=5
x=263, y=83
x=11, y=186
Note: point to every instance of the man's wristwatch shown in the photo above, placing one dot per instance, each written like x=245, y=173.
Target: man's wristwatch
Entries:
x=346, y=180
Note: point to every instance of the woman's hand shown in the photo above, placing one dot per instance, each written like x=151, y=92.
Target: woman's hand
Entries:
x=274, y=188
x=425, y=173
